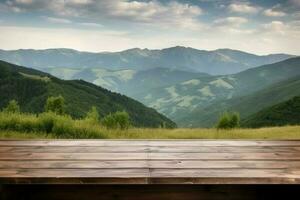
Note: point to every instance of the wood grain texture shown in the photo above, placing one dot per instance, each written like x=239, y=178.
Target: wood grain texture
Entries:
x=149, y=162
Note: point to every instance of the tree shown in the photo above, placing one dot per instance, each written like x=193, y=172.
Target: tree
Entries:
x=229, y=120
x=117, y=120
x=56, y=105
x=12, y=107
x=93, y=115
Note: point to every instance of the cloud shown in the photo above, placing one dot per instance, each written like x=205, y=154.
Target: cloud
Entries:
x=276, y=27
x=231, y=21
x=274, y=11
x=151, y=12
x=58, y=20
x=90, y=24
x=243, y=7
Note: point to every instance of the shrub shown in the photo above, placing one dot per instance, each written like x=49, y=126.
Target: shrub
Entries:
x=92, y=116
x=228, y=121
x=46, y=122
x=18, y=122
x=12, y=107
x=117, y=120
x=64, y=126
x=56, y=105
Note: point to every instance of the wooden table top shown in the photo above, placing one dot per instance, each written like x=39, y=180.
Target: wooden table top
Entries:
x=150, y=161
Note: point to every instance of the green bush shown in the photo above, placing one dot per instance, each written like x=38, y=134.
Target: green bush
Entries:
x=56, y=105
x=46, y=122
x=12, y=107
x=58, y=126
x=229, y=121
x=116, y=120
x=92, y=116
x=64, y=126
x=18, y=122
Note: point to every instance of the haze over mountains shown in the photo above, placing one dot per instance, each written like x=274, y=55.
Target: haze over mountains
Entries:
x=192, y=87
x=221, y=61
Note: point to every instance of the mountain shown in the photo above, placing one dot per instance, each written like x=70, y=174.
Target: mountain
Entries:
x=217, y=62
x=182, y=100
x=246, y=105
x=285, y=113
x=31, y=89
x=126, y=81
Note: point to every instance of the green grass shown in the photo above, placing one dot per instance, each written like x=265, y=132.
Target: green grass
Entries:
x=52, y=126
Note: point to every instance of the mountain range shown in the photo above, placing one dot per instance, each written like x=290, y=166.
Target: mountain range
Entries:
x=192, y=87
x=184, y=102
x=31, y=88
x=217, y=62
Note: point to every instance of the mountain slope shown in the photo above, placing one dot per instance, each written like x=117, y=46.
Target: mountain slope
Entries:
x=222, y=61
x=187, y=97
x=126, y=81
x=245, y=105
x=31, y=89
x=285, y=113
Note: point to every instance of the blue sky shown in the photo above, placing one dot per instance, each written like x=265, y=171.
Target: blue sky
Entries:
x=257, y=26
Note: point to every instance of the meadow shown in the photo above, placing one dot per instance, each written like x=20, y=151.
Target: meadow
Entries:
x=52, y=126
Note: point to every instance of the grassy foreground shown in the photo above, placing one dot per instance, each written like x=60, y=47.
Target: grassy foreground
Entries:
x=287, y=132
x=52, y=126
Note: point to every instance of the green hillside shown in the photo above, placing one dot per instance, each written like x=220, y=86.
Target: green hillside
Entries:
x=245, y=105
x=188, y=98
x=31, y=88
x=285, y=113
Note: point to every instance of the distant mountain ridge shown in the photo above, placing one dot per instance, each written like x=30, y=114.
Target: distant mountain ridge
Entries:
x=32, y=87
x=221, y=61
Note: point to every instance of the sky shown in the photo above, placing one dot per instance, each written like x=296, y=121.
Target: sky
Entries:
x=255, y=26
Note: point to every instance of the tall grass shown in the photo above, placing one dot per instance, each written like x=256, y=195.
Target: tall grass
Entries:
x=50, y=125
x=59, y=126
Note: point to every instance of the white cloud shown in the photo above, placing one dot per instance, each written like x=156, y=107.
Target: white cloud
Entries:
x=243, y=7
x=273, y=13
x=171, y=14
x=58, y=20
x=276, y=27
x=231, y=21
x=90, y=24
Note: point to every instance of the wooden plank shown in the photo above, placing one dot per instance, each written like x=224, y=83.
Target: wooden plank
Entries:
x=162, y=164
x=156, y=149
x=149, y=142
x=64, y=164
x=73, y=156
x=150, y=162
x=150, y=156
x=224, y=176
x=224, y=156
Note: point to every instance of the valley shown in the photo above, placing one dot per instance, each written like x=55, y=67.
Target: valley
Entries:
x=191, y=87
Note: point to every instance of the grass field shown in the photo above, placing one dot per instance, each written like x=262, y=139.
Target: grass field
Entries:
x=50, y=125
x=288, y=132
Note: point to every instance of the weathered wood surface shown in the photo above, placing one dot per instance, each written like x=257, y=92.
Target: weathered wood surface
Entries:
x=149, y=162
